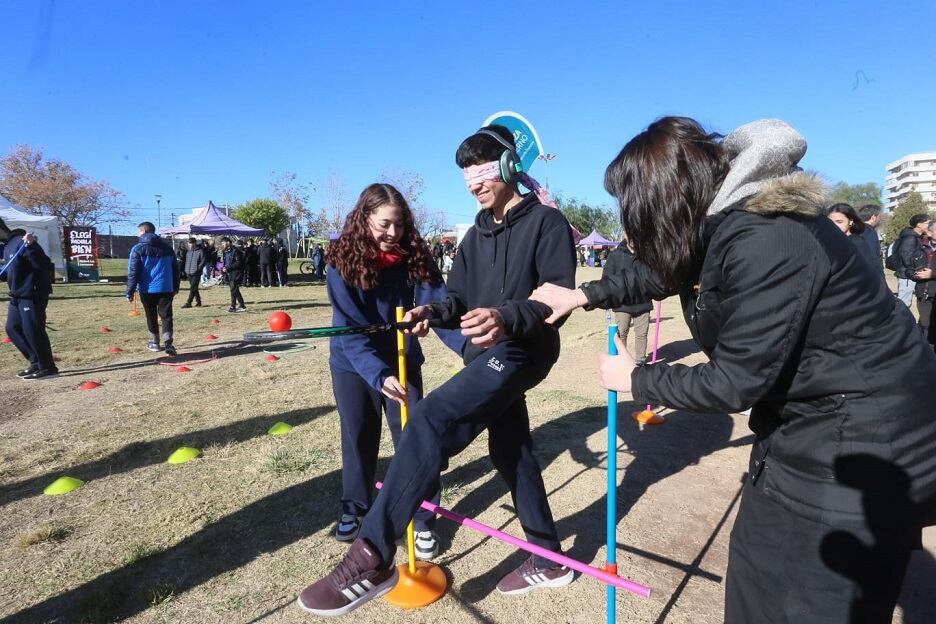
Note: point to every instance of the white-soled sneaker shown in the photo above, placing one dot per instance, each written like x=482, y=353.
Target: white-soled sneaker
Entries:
x=427, y=545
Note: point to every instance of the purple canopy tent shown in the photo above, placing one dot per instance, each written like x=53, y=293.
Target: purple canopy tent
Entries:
x=210, y=220
x=595, y=240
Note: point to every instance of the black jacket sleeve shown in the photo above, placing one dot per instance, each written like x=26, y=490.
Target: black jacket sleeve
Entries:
x=769, y=290
x=624, y=283
x=907, y=248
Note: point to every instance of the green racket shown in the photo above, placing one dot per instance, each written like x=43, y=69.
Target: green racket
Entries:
x=328, y=332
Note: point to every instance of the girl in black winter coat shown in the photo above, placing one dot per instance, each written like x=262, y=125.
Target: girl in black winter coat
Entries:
x=842, y=474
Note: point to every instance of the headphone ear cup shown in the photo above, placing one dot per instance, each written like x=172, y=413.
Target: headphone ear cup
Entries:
x=509, y=166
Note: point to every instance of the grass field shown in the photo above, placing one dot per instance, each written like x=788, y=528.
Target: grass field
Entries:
x=234, y=535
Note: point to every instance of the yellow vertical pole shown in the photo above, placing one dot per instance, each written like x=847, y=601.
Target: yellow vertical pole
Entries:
x=404, y=415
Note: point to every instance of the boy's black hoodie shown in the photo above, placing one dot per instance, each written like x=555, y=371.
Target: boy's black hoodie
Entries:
x=498, y=265
x=31, y=274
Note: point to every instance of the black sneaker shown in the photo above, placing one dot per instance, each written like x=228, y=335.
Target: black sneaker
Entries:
x=427, y=545
x=198, y=305
x=528, y=577
x=347, y=528
x=232, y=310
x=186, y=305
x=28, y=371
x=42, y=373
x=170, y=350
x=358, y=578
x=153, y=346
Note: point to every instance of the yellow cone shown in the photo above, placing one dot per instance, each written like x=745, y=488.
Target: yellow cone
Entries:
x=63, y=485
x=182, y=455
x=279, y=429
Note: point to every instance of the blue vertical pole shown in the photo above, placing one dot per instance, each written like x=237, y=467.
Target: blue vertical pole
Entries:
x=611, y=562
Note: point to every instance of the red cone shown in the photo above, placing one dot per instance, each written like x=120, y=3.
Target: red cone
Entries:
x=211, y=337
x=89, y=385
x=183, y=369
x=115, y=350
x=105, y=330
x=271, y=358
x=215, y=322
x=6, y=340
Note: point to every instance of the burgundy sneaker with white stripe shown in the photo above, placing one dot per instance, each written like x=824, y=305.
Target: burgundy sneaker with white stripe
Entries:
x=358, y=578
x=528, y=577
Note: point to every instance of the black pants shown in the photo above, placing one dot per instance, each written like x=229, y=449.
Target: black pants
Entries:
x=237, y=300
x=193, y=294
x=926, y=308
x=359, y=408
x=487, y=394
x=158, y=304
x=786, y=569
x=281, y=274
x=267, y=275
x=25, y=325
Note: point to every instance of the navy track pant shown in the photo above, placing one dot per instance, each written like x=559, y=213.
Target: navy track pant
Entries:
x=487, y=394
x=25, y=325
x=359, y=410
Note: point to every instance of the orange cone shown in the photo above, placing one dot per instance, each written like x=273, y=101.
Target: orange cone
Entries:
x=648, y=417
x=183, y=369
x=89, y=385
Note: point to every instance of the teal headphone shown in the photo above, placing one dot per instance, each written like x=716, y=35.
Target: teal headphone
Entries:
x=510, y=164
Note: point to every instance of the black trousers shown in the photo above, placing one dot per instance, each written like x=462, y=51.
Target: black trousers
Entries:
x=25, y=325
x=487, y=394
x=193, y=294
x=359, y=410
x=281, y=274
x=786, y=569
x=158, y=305
x=267, y=275
x=237, y=300
x=926, y=309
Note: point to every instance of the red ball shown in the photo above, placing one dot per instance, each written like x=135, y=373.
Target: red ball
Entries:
x=279, y=321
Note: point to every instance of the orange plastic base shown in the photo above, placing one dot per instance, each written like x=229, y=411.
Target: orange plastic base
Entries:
x=420, y=589
x=648, y=417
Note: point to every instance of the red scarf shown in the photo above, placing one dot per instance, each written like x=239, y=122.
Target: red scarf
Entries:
x=386, y=259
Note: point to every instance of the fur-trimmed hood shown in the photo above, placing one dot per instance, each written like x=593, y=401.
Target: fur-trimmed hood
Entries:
x=798, y=193
x=764, y=176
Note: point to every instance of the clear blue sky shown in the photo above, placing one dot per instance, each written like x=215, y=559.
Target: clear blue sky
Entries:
x=202, y=100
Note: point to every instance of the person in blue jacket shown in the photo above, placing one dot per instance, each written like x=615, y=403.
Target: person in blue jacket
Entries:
x=379, y=262
x=154, y=272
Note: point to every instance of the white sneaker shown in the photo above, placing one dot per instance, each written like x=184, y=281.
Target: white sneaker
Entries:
x=427, y=545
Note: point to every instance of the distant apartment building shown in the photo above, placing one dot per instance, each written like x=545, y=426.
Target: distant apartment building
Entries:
x=913, y=172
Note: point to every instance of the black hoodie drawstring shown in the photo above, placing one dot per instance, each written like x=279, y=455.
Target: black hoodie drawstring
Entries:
x=506, y=248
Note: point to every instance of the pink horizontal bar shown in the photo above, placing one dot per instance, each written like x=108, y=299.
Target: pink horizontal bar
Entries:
x=584, y=568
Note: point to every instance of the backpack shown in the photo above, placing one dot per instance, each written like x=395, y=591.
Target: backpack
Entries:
x=892, y=258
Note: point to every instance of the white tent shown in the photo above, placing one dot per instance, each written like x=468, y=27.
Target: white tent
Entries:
x=45, y=228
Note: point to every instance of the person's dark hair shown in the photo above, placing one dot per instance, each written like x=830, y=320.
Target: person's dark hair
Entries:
x=917, y=219
x=354, y=253
x=147, y=227
x=867, y=211
x=3, y=226
x=193, y=240
x=481, y=148
x=225, y=238
x=857, y=225
x=664, y=180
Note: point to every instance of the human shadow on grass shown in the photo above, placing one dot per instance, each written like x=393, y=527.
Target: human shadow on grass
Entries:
x=658, y=453
x=139, y=454
x=677, y=350
x=217, y=350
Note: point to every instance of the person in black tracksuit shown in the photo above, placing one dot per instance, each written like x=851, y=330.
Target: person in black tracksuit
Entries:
x=29, y=273
x=925, y=290
x=252, y=274
x=516, y=244
x=800, y=329
x=281, y=258
x=192, y=267
x=266, y=256
x=233, y=259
